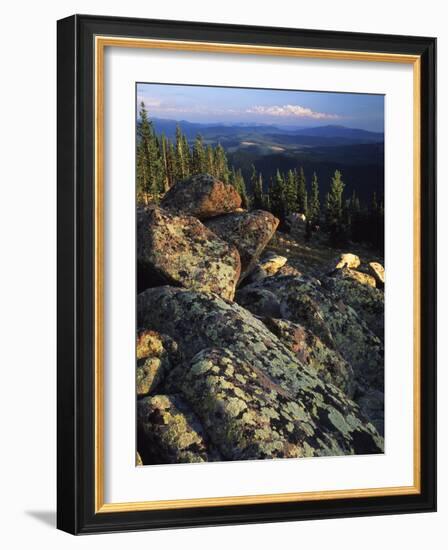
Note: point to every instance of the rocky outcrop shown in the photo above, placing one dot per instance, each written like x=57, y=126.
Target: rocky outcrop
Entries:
x=338, y=325
x=202, y=196
x=328, y=364
x=249, y=232
x=293, y=369
x=197, y=321
x=181, y=251
x=156, y=354
x=168, y=432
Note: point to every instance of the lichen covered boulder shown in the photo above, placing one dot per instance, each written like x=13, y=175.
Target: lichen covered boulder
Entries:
x=202, y=196
x=168, y=432
x=156, y=353
x=328, y=364
x=249, y=232
x=197, y=320
x=181, y=251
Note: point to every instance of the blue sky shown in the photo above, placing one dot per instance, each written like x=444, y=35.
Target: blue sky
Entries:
x=208, y=104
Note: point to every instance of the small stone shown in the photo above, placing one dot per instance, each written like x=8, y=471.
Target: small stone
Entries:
x=378, y=273
x=348, y=260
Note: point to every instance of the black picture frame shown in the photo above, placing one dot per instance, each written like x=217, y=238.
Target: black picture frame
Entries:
x=76, y=512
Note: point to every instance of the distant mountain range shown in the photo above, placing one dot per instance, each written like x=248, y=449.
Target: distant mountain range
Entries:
x=318, y=135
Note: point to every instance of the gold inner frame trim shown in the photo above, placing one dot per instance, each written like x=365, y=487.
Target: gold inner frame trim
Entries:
x=101, y=42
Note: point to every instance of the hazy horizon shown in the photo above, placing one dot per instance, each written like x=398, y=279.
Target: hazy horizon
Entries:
x=287, y=108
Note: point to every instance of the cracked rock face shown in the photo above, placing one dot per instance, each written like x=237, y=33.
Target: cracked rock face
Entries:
x=198, y=321
x=249, y=232
x=179, y=250
x=328, y=364
x=202, y=196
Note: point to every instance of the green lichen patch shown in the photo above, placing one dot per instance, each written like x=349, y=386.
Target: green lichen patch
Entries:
x=168, y=432
x=156, y=354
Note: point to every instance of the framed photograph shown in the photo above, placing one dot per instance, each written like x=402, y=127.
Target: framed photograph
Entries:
x=246, y=274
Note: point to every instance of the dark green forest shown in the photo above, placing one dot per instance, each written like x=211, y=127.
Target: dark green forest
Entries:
x=162, y=162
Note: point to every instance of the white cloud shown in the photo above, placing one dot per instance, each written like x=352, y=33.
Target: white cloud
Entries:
x=160, y=107
x=296, y=111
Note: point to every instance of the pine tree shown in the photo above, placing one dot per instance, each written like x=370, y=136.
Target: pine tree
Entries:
x=277, y=197
x=257, y=189
x=314, y=203
x=291, y=192
x=335, y=211
x=240, y=186
x=182, y=155
x=209, y=161
x=164, y=156
x=171, y=164
x=220, y=162
x=198, y=157
x=302, y=195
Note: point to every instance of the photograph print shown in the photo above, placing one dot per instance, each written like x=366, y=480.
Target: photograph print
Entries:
x=260, y=274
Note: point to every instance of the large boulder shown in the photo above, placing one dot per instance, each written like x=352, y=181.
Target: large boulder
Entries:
x=202, y=196
x=181, y=251
x=328, y=364
x=168, y=432
x=197, y=320
x=156, y=353
x=249, y=232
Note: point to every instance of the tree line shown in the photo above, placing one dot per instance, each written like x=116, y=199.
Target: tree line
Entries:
x=162, y=162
